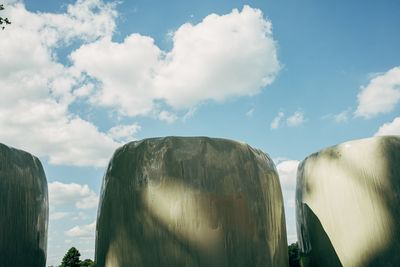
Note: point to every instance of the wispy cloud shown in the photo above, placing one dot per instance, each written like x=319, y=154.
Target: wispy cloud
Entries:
x=189, y=114
x=276, y=122
x=87, y=230
x=54, y=216
x=296, y=119
x=250, y=112
x=167, y=116
x=340, y=117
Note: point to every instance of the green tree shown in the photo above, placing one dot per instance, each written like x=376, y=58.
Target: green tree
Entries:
x=71, y=259
x=87, y=263
x=294, y=255
x=3, y=21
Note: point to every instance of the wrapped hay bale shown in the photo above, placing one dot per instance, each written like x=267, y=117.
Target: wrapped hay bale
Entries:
x=190, y=201
x=348, y=204
x=23, y=209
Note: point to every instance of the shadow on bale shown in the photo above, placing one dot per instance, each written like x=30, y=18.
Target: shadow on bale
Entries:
x=190, y=202
x=23, y=209
x=361, y=192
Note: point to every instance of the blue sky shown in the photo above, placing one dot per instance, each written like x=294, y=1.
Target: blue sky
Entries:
x=80, y=78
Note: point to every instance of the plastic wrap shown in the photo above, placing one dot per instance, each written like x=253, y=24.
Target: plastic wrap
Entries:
x=348, y=204
x=190, y=201
x=23, y=209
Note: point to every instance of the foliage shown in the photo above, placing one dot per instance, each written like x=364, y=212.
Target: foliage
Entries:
x=294, y=255
x=71, y=259
x=3, y=21
x=87, y=263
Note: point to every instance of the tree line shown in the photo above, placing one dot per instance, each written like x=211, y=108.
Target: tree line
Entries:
x=72, y=259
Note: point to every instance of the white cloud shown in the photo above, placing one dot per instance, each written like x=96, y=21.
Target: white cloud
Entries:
x=80, y=216
x=296, y=119
x=58, y=215
x=79, y=195
x=390, y=128
x=37, y=90
x=7, y=2
x=278, y=160
x=381, y=95
x=87, y=20
x=84, y=90
x=276, y=122
x=287, y=171
x=45, y=128
x=189, y=114
x=125, y=70
x=341, y=117
x=124, y=133
x=221, y=57
x=87, y=230
x=167, y=116
x=250, y=112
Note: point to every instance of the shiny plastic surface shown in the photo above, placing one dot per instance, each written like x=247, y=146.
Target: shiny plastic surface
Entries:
x=190, y=201
x=23, y=209
x=348, y=204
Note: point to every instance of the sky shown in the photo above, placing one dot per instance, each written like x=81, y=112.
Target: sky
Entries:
x=80, y=78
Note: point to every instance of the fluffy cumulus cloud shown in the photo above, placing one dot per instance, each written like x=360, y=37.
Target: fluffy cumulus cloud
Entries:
x=87, y=20
x=390, y=128
x=381, y=95
x=37, y=90
x=221, y=57
x=287, y=170
x=81, y=196
x=46, y=129
x=125, y=71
